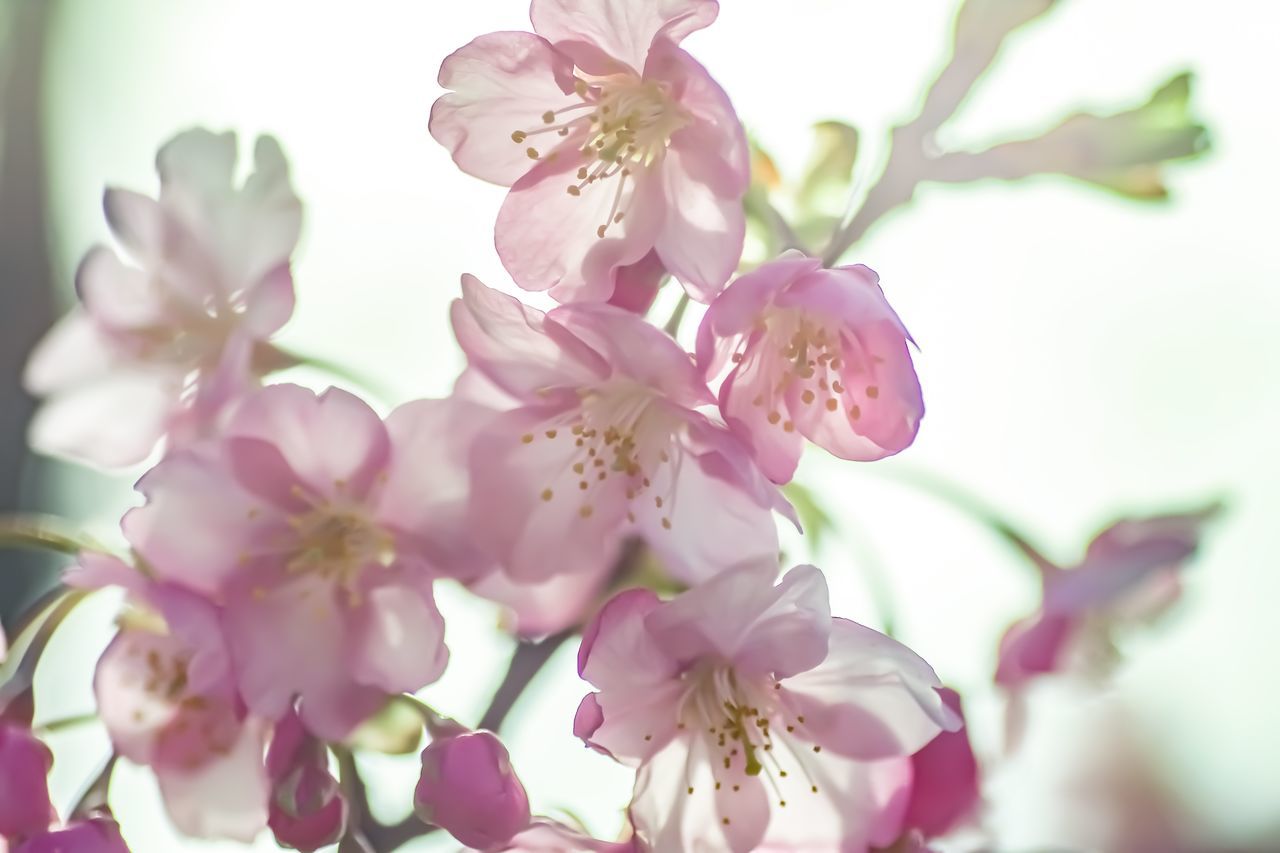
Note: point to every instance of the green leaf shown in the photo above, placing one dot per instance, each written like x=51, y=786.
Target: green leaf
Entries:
x=829, y=174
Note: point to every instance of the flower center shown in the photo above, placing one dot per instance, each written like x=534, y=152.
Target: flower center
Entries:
x=336, y=544
x=802, y=351
x=624, y=123
x=621, y=439
x=746, y=729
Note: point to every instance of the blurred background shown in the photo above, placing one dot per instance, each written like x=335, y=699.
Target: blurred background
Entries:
x=1084, y=354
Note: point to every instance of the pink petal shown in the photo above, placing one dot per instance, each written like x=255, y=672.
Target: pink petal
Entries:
x=600, y=34
x=196, y=523
x=269, y=220
x=550, y=240
x=118, y=296
x=540, y=609
x=668, y=817
x=1034, y=646
x=636, y=349
x=618, y=651
x=398, y=636
x=636, y=285
x=114, y=421
x=197, y=162
x=871, y=698
x=500, y=83
x=269, y=303
x=134, y=715
x=223, y=798
x=945, y=782
x=334, y=442
x=136, y=221
x=527, y=507
x=428, y=514
x=515, y=347
x=741, y=616
x=750, y=407
x=74, y=352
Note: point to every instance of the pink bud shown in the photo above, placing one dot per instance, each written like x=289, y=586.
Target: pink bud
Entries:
x=469, y=789
x=945, y=783
x=96, y=835
x=24, y=791
x=307, y=810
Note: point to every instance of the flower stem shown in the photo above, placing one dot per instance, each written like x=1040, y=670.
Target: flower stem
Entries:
x=44, y=533
x=677, y=316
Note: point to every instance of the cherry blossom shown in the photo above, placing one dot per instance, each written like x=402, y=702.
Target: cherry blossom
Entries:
x=1131, y=572
x=307, y=810
x=602, y=440
x=159, y=349
x=320, y=530
x=754, y=717
x=24, y=793
x=615, y=142
x=811, y=353
x=945, y=790
x=165, y=692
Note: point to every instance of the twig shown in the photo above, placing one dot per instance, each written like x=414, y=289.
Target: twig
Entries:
x=673, y=324
x=96, y=793
x=527, y=662
x=42, y=532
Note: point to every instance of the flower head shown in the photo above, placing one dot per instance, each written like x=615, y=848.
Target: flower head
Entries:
x=812, y=353
x=166, y=695
x=614, y=141
x=25, y=761
x=99, y=834
x=468, y=788
x=1131, y=572
x=602, y=439
x=754, y=716
x=308, y=810
x=319, y=529
x=159, y=349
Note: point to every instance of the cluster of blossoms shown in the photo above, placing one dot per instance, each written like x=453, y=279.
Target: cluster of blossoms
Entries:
x=280, y=573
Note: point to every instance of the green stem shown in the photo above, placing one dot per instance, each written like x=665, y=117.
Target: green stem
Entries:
x=677, y=316
x=64, y=723
x=42, y=532
x=18, y=685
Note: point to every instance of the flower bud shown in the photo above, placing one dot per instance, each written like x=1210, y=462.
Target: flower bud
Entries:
x=307, y=810
x=468, y=788
x=24, y=790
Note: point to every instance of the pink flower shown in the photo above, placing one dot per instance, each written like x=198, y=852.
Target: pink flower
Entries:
x=614, y=141
x=816, y=353
x=94, y=835
x=1131, y=572
x=602, y=440
x=944, y=780
x=160, y=348
x=468, y=788
x=755, y=718
x=319, y=528
x=24, y=792
x=307, y=809
x=166, y=694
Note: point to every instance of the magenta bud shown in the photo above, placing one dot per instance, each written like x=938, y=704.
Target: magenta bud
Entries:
x=24, y=789
x=307, y=810
x=469, y=789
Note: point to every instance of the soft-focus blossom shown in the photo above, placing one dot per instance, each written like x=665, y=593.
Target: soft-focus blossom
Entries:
x=754, y=716
x=469, y=789
x=944, y=780
x=308, y=810
x=165, y=692
x=24, y=793
x=319, y=528
x=816, y=353
x=614, y=141
x=94, y=835
x=160, y=347
x=602, y=440
x=1131, y=572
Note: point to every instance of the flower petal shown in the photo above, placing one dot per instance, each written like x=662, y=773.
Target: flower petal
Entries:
x=601, y=34
x=500, y=83
x=549, y=239
x=398, y=636
x=223, y=798
x=871, y=698
x=515, y=346
x=741, y=616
